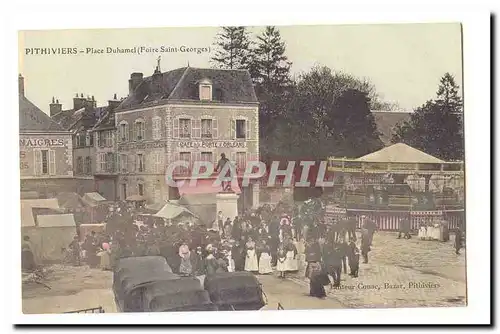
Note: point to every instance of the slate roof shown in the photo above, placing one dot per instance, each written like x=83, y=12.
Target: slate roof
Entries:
x=386, y=122
x=32, y=119
x=83, y=117
x=228, y=86
x=106, y=122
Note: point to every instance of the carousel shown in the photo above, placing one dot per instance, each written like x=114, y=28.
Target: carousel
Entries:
x=399, y=182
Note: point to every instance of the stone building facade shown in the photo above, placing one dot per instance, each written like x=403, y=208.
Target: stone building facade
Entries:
x=45, y=152
x=186, y=114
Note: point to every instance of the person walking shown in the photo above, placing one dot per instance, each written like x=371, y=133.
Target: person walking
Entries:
x=458, y=239
x=365, y=244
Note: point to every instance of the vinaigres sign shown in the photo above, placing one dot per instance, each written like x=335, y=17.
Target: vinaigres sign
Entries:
x=41, y=142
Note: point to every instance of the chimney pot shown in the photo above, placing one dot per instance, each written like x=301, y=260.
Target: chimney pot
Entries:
x=55, y=107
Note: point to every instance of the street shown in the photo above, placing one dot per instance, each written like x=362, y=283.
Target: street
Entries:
x=400, y=273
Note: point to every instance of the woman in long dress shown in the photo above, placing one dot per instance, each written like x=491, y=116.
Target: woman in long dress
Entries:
x=291, y=263
x=265, y=260
x=251, y=262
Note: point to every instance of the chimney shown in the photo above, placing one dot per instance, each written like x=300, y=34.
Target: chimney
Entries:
x=21, y=85
x=90, y=103
x=113, y=103
x=135, y=80
x=78, y=102
x=55, y=107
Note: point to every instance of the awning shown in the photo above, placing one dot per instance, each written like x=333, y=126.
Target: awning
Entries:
x=204, y=186
x=171, y=211
x=65, y=220
x=93, y=199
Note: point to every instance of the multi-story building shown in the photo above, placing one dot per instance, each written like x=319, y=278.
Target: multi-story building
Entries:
x=188, y=114
x=81, y=121
x=46, y=151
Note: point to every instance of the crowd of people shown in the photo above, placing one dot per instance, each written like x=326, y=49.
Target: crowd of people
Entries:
x=262, y=241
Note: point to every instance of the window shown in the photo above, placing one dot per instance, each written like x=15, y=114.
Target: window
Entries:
x=206, y=156
x=156, y=128
x=110, y=162
x=140, y=187
x=140, y=131
x=185, y=128
x=124, y=132
x=89, y=139
x=206, y=128
x=45, y=161
x=123, y=163
x=124, y=191
x=79, y=165
x=140, y=162
x=241, y=160
x=101, y=160
x=185, y=156
x=88, y=166
x=157, y=161
x=205, y=92
x=240, y=128
x=80, y=140
x=108, y=138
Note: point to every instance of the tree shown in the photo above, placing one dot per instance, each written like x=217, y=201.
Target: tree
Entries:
x=270, y=70
x=352, y=122
x=327, y=115
x=437, y=126
x=233, y=49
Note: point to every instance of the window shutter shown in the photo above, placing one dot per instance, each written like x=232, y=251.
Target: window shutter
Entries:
x=247, y=134
x=191, y=128
x=175, y=133
x=215, y=128
x=113, y=135
x=52, y=162
x=196, y=158
x=143, y=130
x=87, y=138
x=118, y=162
x=124, y=166
x=131, y=163
x=197, y=128
x=233, y=129
x=127, y=133
x=38, y=162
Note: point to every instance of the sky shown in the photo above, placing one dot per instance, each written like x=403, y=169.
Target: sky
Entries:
x=403, y=61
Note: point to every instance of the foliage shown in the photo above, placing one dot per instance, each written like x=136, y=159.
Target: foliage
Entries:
x=233, y=49
x=437, y=126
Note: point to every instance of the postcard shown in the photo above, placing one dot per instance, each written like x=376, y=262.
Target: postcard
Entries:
x=242, y=168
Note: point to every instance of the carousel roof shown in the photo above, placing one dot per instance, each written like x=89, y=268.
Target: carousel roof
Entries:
x=400, y=153
x=171, y=211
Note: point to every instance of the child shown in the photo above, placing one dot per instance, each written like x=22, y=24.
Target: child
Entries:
x=281, y=263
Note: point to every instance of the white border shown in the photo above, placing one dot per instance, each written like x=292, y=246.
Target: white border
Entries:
x=98, y=14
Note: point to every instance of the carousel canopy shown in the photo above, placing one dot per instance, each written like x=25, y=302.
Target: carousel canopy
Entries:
x=93, y=199
x=400, y=153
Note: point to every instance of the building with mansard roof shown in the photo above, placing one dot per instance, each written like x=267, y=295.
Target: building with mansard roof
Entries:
x=188, y=114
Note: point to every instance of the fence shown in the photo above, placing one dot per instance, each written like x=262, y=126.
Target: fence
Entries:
x=89, y=310
x=389, y=220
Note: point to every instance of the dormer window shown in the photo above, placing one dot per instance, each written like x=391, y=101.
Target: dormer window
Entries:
x=205, y=87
